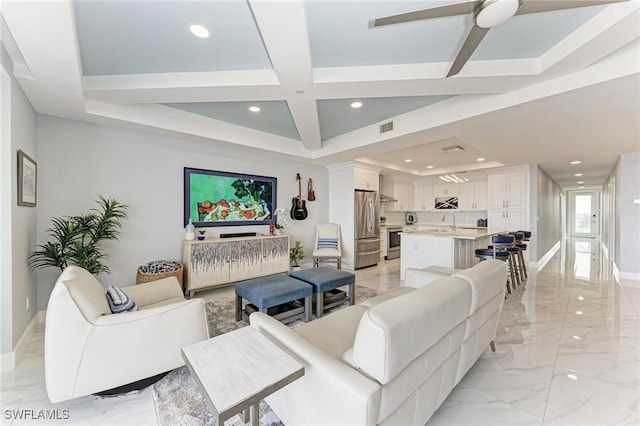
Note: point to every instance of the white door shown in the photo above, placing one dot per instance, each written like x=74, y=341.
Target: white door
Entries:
x=584, y=214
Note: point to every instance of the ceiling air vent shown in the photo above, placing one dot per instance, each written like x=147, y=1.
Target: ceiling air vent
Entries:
x=386, y=127
x=453, y=149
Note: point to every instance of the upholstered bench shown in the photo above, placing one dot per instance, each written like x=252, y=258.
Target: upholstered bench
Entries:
x=325, y=281
x=276, y=295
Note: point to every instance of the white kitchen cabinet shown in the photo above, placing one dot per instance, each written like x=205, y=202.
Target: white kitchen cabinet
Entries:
x=423, y=196
x=401, y=190
x=442, y=189
x=422, y=251
x=507, y=199
x=366, y=179
x=473, y=195
x=507, y=190
x=506, y=219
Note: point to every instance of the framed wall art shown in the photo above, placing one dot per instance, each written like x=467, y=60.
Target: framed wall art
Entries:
x=27, y=180
x=216, y=198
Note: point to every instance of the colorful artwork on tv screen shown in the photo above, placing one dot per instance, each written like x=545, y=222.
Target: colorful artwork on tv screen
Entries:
x=215, y=198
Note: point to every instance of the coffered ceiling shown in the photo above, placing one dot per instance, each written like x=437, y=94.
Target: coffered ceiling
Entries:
x=542, y=88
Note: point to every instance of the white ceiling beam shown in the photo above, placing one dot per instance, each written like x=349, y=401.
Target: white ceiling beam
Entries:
x=283, y=26
x=359, y=142
x=162, y=117
x=184, y=87
x=45, y=34
x=609, y=30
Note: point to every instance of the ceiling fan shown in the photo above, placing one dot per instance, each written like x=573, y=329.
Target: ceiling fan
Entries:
x=486, y=15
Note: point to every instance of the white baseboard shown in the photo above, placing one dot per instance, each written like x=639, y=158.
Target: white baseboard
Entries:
x=633, y=276
x=626, y=279
x=11, y=359
x=546, y=258
x=7, y=361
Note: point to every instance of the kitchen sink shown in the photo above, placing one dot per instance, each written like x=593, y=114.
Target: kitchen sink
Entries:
x=441, y=230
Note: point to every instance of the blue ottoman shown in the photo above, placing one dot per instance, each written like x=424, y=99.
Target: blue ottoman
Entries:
x=326, y=280
x=272, y=295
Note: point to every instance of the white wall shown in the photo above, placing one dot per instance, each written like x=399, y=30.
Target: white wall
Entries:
x=6, y=297
x=23, y=221
x=546, y=206
x=341, y=187
x=620, y=189
x=79, y=160
x=628, y=190
x=18, y=223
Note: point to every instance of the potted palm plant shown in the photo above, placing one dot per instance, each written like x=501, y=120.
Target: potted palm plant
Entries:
x=296, y=254
x=77, y=240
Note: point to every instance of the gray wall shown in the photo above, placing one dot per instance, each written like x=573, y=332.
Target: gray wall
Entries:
x=628, y=187
x=18, y=223
x=548, y=210
x=79, y=160
x=611, y=216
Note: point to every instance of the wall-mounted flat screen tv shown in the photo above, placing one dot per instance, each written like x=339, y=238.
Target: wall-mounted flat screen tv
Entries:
x=216, y=198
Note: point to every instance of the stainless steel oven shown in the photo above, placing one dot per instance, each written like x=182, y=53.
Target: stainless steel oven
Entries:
x=393, y=242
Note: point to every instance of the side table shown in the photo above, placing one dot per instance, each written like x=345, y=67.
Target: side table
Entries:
x=238, y=369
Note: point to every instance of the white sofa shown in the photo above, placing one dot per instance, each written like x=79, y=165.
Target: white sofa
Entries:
x=87, y=349
x=394, y=359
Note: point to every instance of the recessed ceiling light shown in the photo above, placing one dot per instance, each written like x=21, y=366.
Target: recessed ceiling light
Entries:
x=254, y=108
x=580, y=182
x=429, y=167
x=408, y=160
x=480, y=159
x=576, y=162
x=356, y=104
x=572, y=376
x=199, y=30
x=579, y=174
x=582, y=187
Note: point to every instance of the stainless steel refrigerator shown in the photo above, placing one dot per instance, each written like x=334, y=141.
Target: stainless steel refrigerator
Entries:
x=367, y=229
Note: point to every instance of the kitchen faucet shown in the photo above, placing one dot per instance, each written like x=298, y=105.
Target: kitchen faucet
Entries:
x=444, y=216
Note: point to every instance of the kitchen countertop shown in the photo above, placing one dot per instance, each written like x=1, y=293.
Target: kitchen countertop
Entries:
x=459, y=233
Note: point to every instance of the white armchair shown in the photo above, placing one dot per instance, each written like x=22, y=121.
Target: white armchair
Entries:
x=328, y=244
x=88, y=349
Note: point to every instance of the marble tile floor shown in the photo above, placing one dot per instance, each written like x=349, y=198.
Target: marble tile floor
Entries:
x=568, y=353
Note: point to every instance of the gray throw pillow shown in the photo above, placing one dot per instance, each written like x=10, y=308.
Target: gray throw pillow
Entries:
x=119, y=301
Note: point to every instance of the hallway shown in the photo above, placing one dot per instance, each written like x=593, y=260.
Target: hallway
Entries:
x=568, y=351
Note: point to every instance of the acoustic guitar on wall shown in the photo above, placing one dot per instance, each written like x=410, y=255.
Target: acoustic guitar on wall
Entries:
x=298, y=207
x=311, y=194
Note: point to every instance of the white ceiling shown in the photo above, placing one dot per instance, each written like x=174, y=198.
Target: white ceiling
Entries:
x=542, y=88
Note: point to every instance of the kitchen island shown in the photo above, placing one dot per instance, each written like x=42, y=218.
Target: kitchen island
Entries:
x=443, y=247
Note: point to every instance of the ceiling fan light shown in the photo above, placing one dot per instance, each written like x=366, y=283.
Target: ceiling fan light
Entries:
x=492, y=13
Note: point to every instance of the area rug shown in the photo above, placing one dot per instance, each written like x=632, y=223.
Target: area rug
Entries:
x=177, y=398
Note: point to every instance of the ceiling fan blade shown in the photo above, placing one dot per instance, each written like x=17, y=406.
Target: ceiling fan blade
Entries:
x=470, y=45
x=434, y=12
x=536, y=6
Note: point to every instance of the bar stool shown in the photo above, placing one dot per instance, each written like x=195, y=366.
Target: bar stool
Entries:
x=519, y=243
x=527, y=234
x=514, y=252
x=499, y=251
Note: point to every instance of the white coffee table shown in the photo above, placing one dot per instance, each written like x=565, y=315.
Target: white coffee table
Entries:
x=237, y=370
